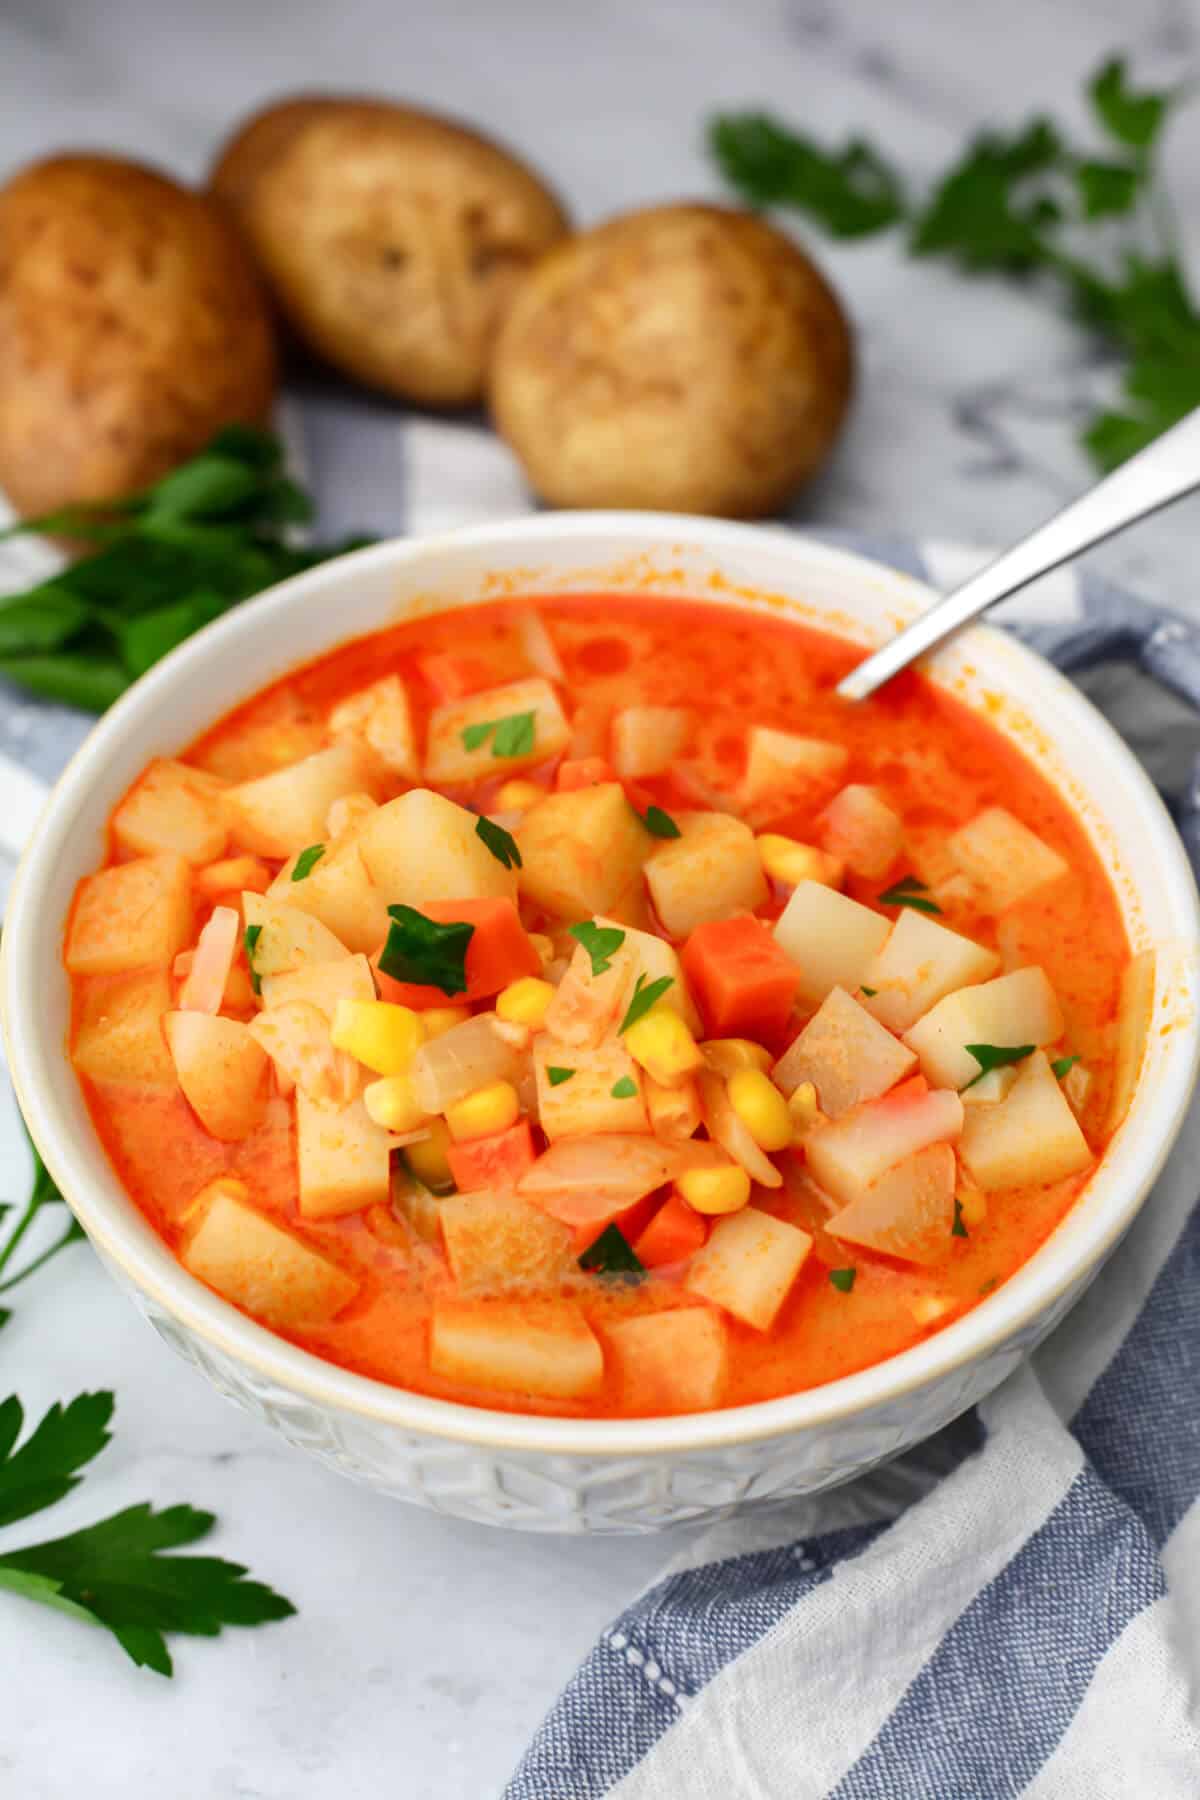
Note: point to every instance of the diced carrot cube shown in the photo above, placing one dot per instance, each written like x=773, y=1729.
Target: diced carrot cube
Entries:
x=451, y=677
x=495, y=1163
x=582, y=772
x=743, y=982
x=675, y=1232
x=500, y=951
x=631, y=1221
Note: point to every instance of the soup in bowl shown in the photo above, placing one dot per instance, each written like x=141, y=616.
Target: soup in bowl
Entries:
x=534, y=1008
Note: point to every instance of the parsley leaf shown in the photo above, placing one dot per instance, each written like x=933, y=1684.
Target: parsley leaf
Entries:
x=992, y=210
x=112, y=1573
x=611, y=1254
x=1133, y=119
x=996, y=1056
x=869, y=992
x=421, y=950
x=1062, y=1065
x=958, y=1229
x=625, y=1089
x=43, y=1193
x=307, y=861
x=513, y=735
x=501, y=843
x=556, y=1075
x=659, y=823
x=908, y=891
x=843, y=1279
x=600, y=941
x=851, y=192
x=1106, y=189
x=645, y=993
x=250, y=939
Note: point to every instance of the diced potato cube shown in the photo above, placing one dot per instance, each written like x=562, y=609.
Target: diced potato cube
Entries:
x=523, y=1347
x=846, y=1156
x=119, y=1036
x=581, y=851
x=175, y=808
x=500, y=1243
x=281, y=731
x=342, y=1158
x=654, y=958
x=380, y=717
x=919, y=965
x=339, y=892
x=586, y=1007
x=779, y=763
x=1003, y=860
x=908, y=1212
x=710, y=871
x=603, y=1094
x=1016, y=1009
x=321, y=984
x=423, y=847
x=748, y=1265
x=862, y=831
x=676, y=1361
x=1134, y=1013
x=846, y=1055
x=647, y=739
x=135, y=915
x=1032, y=1137
x=221, y=1070
x=259, y=1264
x=287, y=938
x=454, y=727
x=281, y=813
x=832, y=938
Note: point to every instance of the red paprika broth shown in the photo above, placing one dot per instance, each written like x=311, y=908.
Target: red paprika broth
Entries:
x=519, y=1323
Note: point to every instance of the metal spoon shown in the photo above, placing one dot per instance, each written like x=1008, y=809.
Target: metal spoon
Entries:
x=1165, y=471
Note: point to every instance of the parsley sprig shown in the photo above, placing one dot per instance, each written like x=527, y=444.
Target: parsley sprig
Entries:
x=611, y=1254
x=115, y=1573
x=424, y=951
x=908, y=891
x=511, y=736
x=600, y=941
x=43, y=1193
x=1092, y=220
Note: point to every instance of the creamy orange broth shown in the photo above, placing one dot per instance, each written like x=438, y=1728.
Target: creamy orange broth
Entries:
x=937, y=763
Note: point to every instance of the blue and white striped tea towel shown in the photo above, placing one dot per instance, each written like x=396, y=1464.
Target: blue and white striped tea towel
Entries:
x=1014, y=1607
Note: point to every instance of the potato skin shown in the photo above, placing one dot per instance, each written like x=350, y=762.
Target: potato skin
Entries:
x=132, y=326
x=687, y=358
x=393, y=239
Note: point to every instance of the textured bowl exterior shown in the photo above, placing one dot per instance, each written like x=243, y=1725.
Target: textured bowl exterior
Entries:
x=610, y=1475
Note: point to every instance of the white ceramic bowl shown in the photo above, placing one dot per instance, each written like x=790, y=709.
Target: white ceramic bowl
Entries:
x=599, y=1475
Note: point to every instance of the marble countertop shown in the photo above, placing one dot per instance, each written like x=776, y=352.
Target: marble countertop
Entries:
x=425, y=1651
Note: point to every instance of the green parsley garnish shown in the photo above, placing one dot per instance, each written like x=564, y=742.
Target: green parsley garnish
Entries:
x=958, y=1229
x=659, y=823
x=645, y=994
x=869, y=992
x=250, y=939
x=625, y=1089
x=852, y=192
x=996, y=1056
x=600, y=941
x=423, y=951
x=112, y=1573
x=843, y=1279
x=611, y=1254
x=908, y=891
x=501, y=843
x=513, y=735
x=1063, y=1064
x=986, y=1287
x=307, y=861
x=42, y=1193
x=556, y=1076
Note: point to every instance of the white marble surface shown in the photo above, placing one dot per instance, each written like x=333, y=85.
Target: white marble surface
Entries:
x=425, y=1651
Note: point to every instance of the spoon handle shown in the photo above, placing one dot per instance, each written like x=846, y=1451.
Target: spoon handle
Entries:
x=1162, y=472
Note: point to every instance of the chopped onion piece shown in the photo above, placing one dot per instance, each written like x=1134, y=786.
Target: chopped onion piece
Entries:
x=537, y=646
x=204, y=985
x=728, y=1130
x=583, y=1180
x=466, y=1057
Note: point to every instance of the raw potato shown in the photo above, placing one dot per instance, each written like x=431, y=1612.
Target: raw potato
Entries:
x=688, y=358
x=132, y=326
x=393, y=240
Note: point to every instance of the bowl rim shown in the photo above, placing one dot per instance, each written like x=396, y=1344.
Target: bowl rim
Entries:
x=129, y=1243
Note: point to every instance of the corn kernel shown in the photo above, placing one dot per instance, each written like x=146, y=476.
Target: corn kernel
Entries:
x=762, y=1109
x=390, y=1103
x=674, y=1112
x=804, y=1111
x=787, y=860
x=722, y=1190
x=518, y=796
x=428, y=1160
x=661, y=1044
x=725, y=1056
x=383, y=1036
x=436, y=1021
x=927, y=1309
x=489, y=1109
x=524, y=1002
x=972, y=1205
